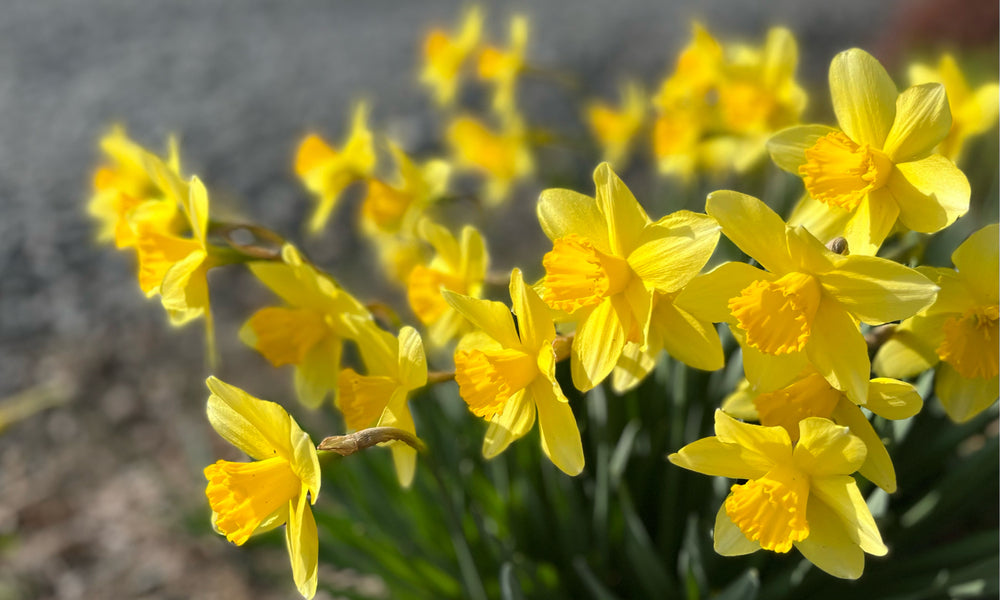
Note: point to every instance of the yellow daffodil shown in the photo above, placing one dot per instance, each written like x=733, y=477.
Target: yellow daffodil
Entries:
x=252, y=497
x=395, y=368
x=444, y=56
x=309, y=329
x=879, y=167
x=959, y=332
x=607, y=261
x=127, y=195
x=459, y=266
x=973, y=111
x=615, y=128
x=805, y=307
x=393, y=208
x=797, y=494
x=326, y=171
x=810, y=395
x=506, y=373
x=502, y=67
x=503, y=157
x=684, y=331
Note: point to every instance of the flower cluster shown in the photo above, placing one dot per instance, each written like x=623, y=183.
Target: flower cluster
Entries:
x=617, y=290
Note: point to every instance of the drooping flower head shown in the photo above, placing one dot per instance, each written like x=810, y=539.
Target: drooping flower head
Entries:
x=506, y=373
x=395, y=368
x=607, y=261
x=797, y=494
x=326, y=172
x=308, y=330
x=804, y=306
x=444, y=56
x=811, y=395
x=615, y=128
x=273, y=490
x=879, y=167
x=457, y=265
x=959, y=332
x=502, y=156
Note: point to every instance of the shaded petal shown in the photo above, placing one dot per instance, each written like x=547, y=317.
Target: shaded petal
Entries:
x=404, y=457
x=838, y=351
x=303, y=546
x=829, y=546
x=558, y=428
x=634, y=364
x=964, y=398
x=412, y=360
x=922, y=121
x=260, y=428
x=877, y=290
x=674, y=250
x=728, y=539
x=977, y=261
x=931, y=193
x=755, y=229
x=492, y=317
x=893, y=399
x=872, y=222
x=475, y=259
x=690, y=340
x=764, y=447
x=840, y=493
x=739, y=403
x=625, y=218
x=598, y=343
x=877, y=466
x=562, y=212
x=708, y=295
x=517, y=418
x=825, y=222
x=766, y=372
x=317, y=374
x=827, y=449
x=534, y=317
x=910, y=351
x=788, y=146
x=864, y=97
x=444, y=243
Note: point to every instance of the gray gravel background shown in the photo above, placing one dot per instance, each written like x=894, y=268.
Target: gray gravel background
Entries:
x=103, y=498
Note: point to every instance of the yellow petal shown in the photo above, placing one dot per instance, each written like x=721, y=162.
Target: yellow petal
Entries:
x=599, y=341
x=931, y=193
x=412, y=360
x=283, y=335
x=922, y=121
x=788, y=146
x=492, y=317
x=303, y=547
x=693, y=341
x=977, y=261
x=708, y=295
x=826, y=449
x=767, y=372
x=755, y=229
x=964, y=398
x=674, y=250
x=762, y=448
x=877, y=290
x=739, y=403
x=515, y=421
x=840, y=493
x=839, y=352
x=559, y=432
x=829, y=546
x=909, y=351
x=534, y=318
x=624, y=216
x=196, y=207
x=404, y=457
x=892, y=399
x=864, y=97
x=156, y=254
x=728, y=539
x=316, y=375
x=184, y=289
x=873, y=221
x=634, y=365
x=877, y=466
x=823, y=221
x=259, y=428
x=712, y=456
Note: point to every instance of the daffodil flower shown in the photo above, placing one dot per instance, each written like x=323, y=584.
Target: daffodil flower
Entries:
x=879, y=167
x=394, y=208
x=459, y=266
x=804, y=306
x=309, y=329
x=502, y=67
x=811, y=395
x=615, y=128
x=503, y=156
x=608, y=259
x=444, y=56
x=506, y=373
x=327, y=171
x=958, y=333
x=797, y=494
x=248, y=498
x=973, y=111
x=395, y=368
